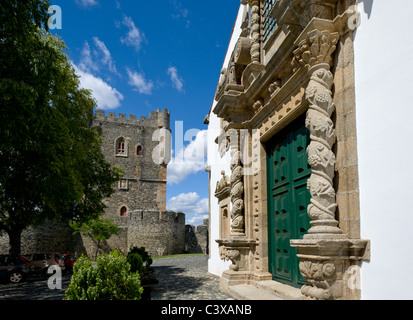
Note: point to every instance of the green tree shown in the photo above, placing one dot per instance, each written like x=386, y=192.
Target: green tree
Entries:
x=98, y=229
x=51, y=164
x=109, y=278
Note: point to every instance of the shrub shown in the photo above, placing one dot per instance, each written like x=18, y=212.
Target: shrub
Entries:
x=136, y=263
x=109, y=278
x=146, y=257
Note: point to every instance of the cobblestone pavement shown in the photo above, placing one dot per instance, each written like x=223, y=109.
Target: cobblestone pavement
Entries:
x=179, y=279
x=34, y=288
x=186, y=279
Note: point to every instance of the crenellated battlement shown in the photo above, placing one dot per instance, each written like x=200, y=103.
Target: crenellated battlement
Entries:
x=154, y=216
x=157, y=119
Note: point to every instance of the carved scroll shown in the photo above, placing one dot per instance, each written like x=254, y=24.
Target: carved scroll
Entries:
x=320, y=277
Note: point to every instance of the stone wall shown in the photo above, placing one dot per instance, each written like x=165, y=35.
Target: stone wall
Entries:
x=160, y=232
x=196, y=238
x=51, y=237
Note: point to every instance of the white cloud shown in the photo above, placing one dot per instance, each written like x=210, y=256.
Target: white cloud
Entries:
x=135, y=37
x=197, y=219
x=180, y=13
x=139, y=82
x=177, y=81
x=106, y=57
x=87, y=63
x=87, y=3
x=188, y=160
x=106, y=96
x=190, y=204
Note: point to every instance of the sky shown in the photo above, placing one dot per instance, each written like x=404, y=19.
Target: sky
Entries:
x=139, y=56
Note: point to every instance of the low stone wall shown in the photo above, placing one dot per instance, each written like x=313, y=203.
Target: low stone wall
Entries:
x=160, y=232
x=50, y=237
x=197, y=238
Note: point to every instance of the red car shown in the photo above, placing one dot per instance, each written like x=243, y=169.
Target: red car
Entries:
x=69, y=262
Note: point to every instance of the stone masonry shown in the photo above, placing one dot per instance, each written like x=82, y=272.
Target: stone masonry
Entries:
x=141, y=147
x=197, y=238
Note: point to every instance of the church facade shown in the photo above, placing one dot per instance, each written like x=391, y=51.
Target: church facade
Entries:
x=295, y=193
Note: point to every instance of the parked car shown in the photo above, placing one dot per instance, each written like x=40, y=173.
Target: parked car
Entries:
x=41, y=262
x=14, y=268
x=69, y=262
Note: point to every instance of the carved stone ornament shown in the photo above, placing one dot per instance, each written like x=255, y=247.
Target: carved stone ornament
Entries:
x=234, y=256
x=320, y=277
x=320, y=155
x=315, y=53
x=317, y=48
x=230, y=254
x=325, y=249
x=275, y=86
x=255, y=30
x=237, y=185
x=223, y=186
x=223, y=146
x=300, y=12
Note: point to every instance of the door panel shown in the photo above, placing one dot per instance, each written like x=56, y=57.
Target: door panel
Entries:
x=288, y=171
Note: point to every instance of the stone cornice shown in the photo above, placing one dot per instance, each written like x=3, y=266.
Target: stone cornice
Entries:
x=300, y=12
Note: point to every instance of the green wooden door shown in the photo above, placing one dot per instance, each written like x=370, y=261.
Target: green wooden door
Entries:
x=288, y=198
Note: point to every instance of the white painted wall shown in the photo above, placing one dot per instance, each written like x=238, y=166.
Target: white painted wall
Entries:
x=384, y=104
x=215, y=264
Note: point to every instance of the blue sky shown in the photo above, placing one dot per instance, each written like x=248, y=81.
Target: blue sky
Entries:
x=138, y=56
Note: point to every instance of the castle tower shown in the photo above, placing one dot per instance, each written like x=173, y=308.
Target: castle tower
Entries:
x=141, y=149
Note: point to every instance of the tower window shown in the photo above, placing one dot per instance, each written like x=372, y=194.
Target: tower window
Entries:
x=123, y=212
x=121, y=147
x=139, y=150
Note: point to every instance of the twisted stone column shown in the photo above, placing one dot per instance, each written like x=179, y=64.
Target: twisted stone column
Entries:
x=320, y=155
x=237, y=186
x=325, y=252
x=316, y=53
x=255, y=30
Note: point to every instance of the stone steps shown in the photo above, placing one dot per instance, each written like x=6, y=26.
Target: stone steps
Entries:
x=265, y=290
x=248, y=292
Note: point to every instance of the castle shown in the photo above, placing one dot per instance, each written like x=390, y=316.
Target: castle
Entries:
x=141, y=147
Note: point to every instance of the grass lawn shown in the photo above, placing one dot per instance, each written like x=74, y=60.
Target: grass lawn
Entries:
x=180, y=256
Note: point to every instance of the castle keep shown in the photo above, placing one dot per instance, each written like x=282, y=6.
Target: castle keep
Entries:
x=141, y=148
x=129, y=144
